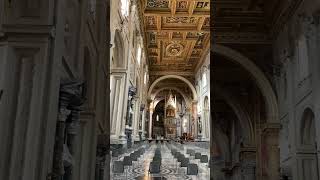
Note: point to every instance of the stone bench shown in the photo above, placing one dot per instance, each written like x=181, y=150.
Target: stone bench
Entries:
x=184, y=162
x=127, y=161
x=154, y=167
x=204, y=159
x=118, y=167
x=192, y=169
x=197, y=155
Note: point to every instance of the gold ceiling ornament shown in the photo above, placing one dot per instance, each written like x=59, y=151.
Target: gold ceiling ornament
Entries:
x=181, y=20
x=174, y=49
x=174, y=28
x=158, y=4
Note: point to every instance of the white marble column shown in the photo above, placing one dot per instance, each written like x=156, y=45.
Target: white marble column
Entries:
x=150, y=123
x=206, y=125
x=136, y=121
x=117, y=107
x=194, y=119
x=143, y=123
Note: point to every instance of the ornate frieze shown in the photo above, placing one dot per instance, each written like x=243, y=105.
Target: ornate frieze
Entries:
x=157, y=3
x=181, y=20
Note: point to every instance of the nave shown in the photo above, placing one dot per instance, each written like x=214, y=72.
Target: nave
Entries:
x=177, y=161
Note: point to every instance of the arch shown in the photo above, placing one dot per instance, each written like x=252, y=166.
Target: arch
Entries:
x=194, y=92
x=118, y=50
x=242, y=115
x=261, y=80
x=307, y=128
x=157, y=101
x=186, y=99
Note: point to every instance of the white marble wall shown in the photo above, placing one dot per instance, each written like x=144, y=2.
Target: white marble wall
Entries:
x=203, y=91
x=127, y=69
x=42, y=45
x=297, y=51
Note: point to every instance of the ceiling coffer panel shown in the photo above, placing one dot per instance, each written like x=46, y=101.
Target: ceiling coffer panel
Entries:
x=178, y=33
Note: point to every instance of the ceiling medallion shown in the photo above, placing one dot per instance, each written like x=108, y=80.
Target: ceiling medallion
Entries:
x=174, y=49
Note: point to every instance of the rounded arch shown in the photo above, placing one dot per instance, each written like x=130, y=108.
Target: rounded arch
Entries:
x=242, y=114
x=194, y=92
x=157, y=101
x=118, y=50
x=186, y=99
x=261, y=80
x=307, y=127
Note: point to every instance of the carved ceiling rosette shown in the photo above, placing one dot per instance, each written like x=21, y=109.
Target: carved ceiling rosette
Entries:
x=174, y=49
x=182, y=5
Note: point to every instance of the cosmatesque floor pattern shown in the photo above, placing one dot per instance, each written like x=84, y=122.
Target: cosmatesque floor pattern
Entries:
x=170, y=168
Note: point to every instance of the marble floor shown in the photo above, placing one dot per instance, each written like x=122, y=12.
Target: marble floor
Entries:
x=170, y=168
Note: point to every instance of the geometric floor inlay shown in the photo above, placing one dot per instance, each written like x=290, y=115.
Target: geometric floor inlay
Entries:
x=170, y=168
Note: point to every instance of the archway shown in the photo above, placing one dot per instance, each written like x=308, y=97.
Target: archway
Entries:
x=194, y=92
x=241, y=113
x=186, y=99
x=260, y=79
x=267, y=152
x=158, y=120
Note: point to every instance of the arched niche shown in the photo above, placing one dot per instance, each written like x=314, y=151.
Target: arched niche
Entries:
x=307, y=130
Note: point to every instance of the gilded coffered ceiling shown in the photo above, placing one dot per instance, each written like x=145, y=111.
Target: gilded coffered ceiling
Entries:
x=177, y=34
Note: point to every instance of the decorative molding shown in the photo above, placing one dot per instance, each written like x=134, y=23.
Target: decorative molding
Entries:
x=241, y=38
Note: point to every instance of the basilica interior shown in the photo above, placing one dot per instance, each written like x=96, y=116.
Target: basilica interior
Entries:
x=159, y=89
